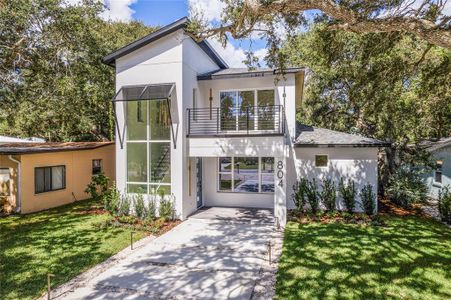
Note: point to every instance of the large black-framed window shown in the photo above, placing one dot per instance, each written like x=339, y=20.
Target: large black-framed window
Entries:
x=49, y=179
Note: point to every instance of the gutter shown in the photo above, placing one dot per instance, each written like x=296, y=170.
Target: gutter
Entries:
x=18, y=200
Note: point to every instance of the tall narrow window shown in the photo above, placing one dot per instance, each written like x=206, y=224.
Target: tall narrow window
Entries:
x=438, y=171
x=266, y=109
x=5, y=184
x=148, y=147
x=225, y=173
x=194, y=104
x=96, y=166
x=267, y=174
x=49, y=179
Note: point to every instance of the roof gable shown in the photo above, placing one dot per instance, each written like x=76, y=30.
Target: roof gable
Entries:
x=182, y=23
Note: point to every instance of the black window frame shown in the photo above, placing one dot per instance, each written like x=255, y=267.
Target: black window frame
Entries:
x=93, y=167
x=51, y=176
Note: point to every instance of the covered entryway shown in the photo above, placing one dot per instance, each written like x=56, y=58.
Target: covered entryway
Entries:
x=212, y=255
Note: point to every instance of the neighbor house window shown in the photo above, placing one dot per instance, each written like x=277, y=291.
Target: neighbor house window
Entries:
x=438, y=171
x=246, y=174
x=96, y=166
x=321, y=160
x=148, y=147
x=49, y=179
x=194, y=104
x=5, y=187
x=248, y=109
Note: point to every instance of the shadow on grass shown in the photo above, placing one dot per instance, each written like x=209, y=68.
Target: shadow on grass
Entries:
x=409, y=259
x=62, y=241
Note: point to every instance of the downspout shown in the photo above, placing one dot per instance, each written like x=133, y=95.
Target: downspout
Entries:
x=19, y=200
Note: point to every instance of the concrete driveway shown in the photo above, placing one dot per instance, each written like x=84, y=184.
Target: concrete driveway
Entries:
x=217, y=253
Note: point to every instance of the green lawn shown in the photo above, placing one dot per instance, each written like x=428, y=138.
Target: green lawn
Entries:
x=408, y=259
x=62, y=241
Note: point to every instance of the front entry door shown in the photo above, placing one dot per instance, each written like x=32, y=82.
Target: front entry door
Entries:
x=199, y=182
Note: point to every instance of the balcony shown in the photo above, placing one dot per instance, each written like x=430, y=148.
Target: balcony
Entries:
x=233, y=122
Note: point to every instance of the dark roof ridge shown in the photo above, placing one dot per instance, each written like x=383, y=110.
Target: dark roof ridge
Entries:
x=163, y=31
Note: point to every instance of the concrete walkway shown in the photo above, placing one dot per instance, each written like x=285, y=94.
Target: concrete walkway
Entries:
x=216, y=254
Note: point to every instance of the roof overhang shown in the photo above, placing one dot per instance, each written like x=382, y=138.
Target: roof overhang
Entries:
x=375, y=145
x=182, y=23
x=248, y=74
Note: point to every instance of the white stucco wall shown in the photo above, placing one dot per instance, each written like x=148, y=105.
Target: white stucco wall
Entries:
x=171, y=59
x=358, y=164
x=443, y=154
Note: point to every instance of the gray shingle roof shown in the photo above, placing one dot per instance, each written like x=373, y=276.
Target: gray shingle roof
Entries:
x=436, y=145
x=244, y=72
x=308, y=136
x=29, y=148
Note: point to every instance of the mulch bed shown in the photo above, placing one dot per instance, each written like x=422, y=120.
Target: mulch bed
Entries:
x=389, y=208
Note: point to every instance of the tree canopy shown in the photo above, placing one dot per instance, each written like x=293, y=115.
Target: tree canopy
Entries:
x=52, y=82
x=240, y=18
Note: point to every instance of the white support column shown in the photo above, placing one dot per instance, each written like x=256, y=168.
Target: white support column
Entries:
x=280, y=193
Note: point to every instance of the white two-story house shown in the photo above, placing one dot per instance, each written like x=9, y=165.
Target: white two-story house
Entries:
x=210, y=135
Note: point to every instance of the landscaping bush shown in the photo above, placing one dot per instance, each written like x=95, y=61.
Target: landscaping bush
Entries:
x=111, y=200
x=311, y=193
x=444, y=204
x=328, y=194
x=348, y=192
x=140, y=207
x=368, y=199
x=124, y=206
x=299, y=195
x=165, y=208
x=98, y=182
x=407, y=187
x=151, y=209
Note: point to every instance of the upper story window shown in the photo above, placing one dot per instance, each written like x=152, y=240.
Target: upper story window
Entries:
x=5, y=184
x=49, y=179
x=96, y=166
x=247, y=109
x=438, y=171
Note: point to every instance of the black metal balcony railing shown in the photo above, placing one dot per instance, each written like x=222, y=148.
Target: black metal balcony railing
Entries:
x=252, y=120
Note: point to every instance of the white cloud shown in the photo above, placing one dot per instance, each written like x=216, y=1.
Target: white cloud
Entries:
x=211, y=8
x=232, y=55
x=118, y=10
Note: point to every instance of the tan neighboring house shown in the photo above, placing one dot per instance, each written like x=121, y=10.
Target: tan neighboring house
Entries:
x=38, y=176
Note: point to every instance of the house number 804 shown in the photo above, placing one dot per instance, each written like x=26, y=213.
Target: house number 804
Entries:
x=280, y=172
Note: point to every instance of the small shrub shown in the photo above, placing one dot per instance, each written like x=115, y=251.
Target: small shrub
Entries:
x=111, y=200
x=166, y=207
x=98, y=182
x=407, y=187
x=348, y=192
x=124, y=206
x=444, y=204
x=151, y=209
x=127, y=220
x=368, y=199
x=312, y=196
x=328, y=194
x=299, y=195
x=140, y=207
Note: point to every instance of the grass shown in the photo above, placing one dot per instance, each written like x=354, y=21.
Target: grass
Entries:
x=410, y=258
x=64, y=241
